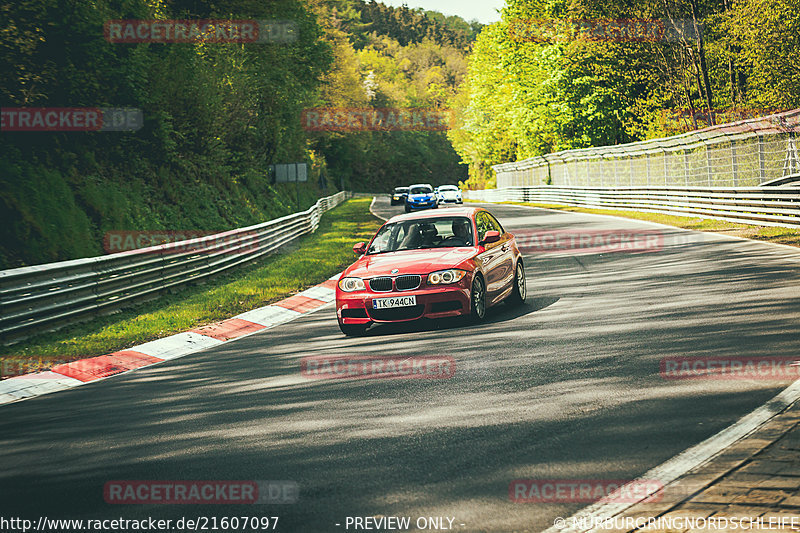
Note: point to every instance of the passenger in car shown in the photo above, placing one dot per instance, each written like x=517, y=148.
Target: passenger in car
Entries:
x=412, y=238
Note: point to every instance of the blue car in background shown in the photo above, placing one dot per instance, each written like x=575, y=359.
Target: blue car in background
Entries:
x=420, y=196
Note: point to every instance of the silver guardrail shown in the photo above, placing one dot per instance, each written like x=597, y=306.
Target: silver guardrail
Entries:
x=771, y=206
x=49, y=296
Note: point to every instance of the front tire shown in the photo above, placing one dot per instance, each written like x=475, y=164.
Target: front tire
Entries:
x=519, y=291
x=477, y=299
x=353, y=330
x=408, y=208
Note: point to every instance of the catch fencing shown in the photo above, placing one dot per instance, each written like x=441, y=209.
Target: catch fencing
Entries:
x=746, y=171
x=746, y=153
x=46, y=297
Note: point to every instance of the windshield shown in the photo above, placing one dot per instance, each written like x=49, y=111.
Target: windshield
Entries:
x=417, y=234
x=421, y=190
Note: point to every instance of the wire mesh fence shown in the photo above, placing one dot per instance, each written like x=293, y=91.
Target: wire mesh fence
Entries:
x=746, y=153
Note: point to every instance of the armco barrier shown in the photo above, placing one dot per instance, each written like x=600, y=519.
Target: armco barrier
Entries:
x=770, y=206
x=49, y=296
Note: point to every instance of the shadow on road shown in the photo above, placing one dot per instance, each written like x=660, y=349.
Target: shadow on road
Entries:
x=497, y=314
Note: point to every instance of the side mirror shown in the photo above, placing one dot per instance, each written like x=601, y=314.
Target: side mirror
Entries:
x=490, y=237
x=361, y=248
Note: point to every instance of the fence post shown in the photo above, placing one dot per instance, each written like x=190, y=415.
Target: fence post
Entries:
x=792, y=165
x=686, y=165
x=630, y=160
x=762, y=174
x=734, y=164
x=549, y=171
x=588, y=173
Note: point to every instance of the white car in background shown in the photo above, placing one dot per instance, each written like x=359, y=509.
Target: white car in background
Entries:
x=448, y=194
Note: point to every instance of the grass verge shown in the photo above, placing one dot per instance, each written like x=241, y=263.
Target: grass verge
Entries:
x=774, y=234
x=312, y=260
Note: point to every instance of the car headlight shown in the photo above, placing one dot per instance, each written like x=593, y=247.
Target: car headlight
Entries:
x=445, y=277
x=352, y=284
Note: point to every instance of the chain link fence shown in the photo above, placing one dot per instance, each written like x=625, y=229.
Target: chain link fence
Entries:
x=747, y=153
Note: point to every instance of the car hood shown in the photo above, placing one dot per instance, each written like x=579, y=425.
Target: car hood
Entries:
x=421, y=196
x=409, y=262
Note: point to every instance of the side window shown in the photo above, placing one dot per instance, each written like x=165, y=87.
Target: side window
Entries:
x=482, y=221
x=494, y=223
x=381, y=242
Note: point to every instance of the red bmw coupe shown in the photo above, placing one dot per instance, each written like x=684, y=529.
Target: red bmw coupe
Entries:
x=456, y=262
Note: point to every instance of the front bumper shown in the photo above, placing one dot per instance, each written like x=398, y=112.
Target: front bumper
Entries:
x=421, y=204
x=439, y=302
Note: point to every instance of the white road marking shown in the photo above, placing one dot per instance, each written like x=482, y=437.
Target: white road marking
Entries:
x=689, y=459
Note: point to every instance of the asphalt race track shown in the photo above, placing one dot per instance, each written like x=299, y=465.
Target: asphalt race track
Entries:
x=566, y=387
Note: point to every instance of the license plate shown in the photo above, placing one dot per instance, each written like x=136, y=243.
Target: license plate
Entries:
x=390, y=303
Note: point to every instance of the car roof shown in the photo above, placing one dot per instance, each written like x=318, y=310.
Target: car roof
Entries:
x=421, y=185
x=438, y=213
